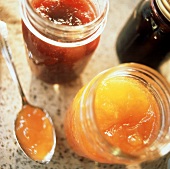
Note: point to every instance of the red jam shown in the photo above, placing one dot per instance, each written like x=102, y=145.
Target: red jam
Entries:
x=54, y=64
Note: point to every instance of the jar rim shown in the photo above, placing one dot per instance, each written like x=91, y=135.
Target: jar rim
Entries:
x=63, y=35
x=164, y=7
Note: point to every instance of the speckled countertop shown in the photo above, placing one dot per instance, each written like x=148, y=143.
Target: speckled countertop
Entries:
x=56, y=99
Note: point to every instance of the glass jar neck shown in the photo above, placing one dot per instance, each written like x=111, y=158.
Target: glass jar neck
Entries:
x=159, y=88
x=64, y=35
x=159, y=16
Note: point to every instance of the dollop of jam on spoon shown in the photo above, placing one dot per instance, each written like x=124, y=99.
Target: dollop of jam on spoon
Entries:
x=34, y=128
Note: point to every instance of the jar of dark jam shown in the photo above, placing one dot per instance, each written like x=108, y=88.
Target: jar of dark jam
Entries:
x=146, y=35
x=60, y=36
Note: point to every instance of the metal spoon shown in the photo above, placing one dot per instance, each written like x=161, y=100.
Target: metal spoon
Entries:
x=6, y=52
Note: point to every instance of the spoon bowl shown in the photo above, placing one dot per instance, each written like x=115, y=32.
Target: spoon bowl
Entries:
x=39, y=143
x=34, y=129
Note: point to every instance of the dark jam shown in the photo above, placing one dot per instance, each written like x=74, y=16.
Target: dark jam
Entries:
x=145, y=37
x=54, y=64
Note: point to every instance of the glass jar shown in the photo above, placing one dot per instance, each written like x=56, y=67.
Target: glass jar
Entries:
x=117, y=122
x=145, y=37
x=60, y=36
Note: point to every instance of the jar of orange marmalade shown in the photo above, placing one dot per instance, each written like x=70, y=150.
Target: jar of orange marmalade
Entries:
x=121, y=116
x=60, y=36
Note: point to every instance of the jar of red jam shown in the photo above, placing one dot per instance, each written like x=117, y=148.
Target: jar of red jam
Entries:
x=146, y=35
x=121, y=116
x=61, y=35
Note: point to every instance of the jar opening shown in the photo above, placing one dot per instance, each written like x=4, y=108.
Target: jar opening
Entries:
x=64, y=35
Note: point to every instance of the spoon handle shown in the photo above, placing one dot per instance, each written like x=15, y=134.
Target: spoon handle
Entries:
x=6, y=53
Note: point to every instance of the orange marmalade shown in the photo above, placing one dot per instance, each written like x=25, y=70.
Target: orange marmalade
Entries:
x=34, y=132
x=125, y=113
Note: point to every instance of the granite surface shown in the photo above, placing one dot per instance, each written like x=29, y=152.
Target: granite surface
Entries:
x=57, y=98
